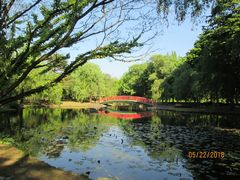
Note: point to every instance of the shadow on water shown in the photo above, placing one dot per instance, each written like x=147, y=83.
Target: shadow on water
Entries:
x=153, y=146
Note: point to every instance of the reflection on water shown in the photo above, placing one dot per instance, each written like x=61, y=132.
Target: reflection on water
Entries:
x=125, y=114
x=153, y=147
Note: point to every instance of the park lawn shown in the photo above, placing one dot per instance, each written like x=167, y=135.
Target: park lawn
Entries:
x=75, y=105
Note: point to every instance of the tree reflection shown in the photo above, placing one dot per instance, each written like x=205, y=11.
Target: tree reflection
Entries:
x=169, y=136
x=46, y=130
x=147, y=134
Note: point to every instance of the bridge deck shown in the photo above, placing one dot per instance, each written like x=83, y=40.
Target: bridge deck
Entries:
x=126, y=99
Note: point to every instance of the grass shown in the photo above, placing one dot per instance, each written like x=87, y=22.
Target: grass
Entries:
x=4, y=139
x=75, y=105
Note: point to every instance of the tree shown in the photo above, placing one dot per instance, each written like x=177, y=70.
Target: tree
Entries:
x=211, y=70
x=223, y=38
x=146, y=79
x=184, y=8
x=218, y=57
x=110, y=86
x=133, y=82
x=35, y=79
x=83, y=83
x=159, y=68
x=32, y=34
x=88, y=83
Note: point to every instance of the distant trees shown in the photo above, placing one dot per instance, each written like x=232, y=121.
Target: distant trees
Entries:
x=181, y=84
x=209, y=72
x=35, y=78
x=146, y=79
x=33, y=33
x=37, y=34
x=88, y=83
x=134, y=81
x=160, y=67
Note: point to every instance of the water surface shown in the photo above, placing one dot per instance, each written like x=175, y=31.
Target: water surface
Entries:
x=153, y=147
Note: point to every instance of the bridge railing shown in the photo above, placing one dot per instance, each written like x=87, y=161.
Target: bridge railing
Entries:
x=127, y=98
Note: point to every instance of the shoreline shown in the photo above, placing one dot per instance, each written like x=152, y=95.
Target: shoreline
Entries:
x=76, y=105
x=175, y=107
x=14, y=164
x=202, y=110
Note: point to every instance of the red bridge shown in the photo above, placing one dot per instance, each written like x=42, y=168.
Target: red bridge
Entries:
x=137, y=99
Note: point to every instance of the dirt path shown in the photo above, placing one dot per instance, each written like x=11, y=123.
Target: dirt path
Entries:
x=15, y=165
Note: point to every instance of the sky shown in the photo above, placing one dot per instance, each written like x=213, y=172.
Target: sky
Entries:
x=178, y=38
x=174, y=37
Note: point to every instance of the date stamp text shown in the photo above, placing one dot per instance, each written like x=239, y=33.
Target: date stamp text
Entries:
x=205, y=154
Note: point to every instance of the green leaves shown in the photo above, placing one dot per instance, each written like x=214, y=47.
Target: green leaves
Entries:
x=209, y=72
x=213, y=74
x=146, y=79
x=88, y=83
x=133, y=82
x=183, y=8
x=33, y=33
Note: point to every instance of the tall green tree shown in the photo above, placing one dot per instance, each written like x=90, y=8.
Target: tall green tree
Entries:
x=220, y=54
x=146, y=79
x=88, y=83
x=159, y=68
x=134, y=81
x=184, y=8
x=35, y=79
x=33, y=32
x=110, y=86
x=211, y=71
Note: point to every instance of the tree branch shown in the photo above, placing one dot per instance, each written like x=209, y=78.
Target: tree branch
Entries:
x=20, y=14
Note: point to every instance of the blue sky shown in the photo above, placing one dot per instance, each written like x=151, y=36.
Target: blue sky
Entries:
x=174, y=37
x=178, y=38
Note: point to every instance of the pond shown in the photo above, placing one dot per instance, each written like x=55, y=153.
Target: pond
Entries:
x=154, y=145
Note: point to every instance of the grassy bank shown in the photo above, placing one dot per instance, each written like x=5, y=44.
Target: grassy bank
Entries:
x=68, y=105
x=75, y=105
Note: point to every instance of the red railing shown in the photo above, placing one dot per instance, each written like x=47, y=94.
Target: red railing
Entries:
x=126, y=98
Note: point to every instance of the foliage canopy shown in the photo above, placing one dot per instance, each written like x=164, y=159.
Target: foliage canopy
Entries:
x=38, y=34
